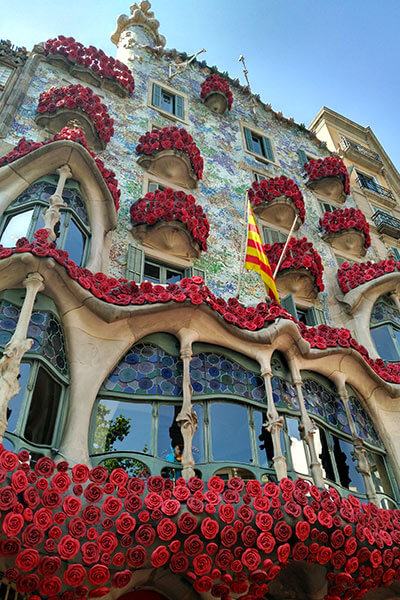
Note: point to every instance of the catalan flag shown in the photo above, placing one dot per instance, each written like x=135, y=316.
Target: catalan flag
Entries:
x=256, y=259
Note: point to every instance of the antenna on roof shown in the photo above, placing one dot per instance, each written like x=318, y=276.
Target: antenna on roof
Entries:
x=253, y=101
x=181, y=67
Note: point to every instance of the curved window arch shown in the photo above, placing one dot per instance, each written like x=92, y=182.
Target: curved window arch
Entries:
x=36, y=414
x=24, y=216
x=385, y=328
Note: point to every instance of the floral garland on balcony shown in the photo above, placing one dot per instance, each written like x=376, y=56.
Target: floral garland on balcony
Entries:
x=92, y=58
x=172, y=137
x=299, y=254
x=350, y=277
x=82, y=532
x=343, y=219
x=266, y=190
x=75, y=135
x=81, y=98
x=168, y=205
x=331, y=166
x=122, y=292
x=216, y=83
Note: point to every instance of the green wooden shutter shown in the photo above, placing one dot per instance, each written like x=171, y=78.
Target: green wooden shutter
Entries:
x=248, y=138
x=288, y=304
x=396, y=253
x=267, y=148
x=302, y=157
x=156, y=96
x=192, y=271
x=135, y=263
x=315, y=316
x=179, y=107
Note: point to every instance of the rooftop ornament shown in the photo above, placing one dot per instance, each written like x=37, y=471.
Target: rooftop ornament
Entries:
x=278, y=200
x=90, y=64
x=346, y=229
x=300, y=271
x=142, y=16
x=328, y=176
x=216, y=94
x=14, y=55
x=171, y=153
x=79, y=106
x=172, y=222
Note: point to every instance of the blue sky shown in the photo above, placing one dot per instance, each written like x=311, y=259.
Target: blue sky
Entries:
x=301, y=54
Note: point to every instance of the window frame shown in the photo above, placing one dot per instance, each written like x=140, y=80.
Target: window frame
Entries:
x=262, y=135
x=8, y=82
x=172, y=92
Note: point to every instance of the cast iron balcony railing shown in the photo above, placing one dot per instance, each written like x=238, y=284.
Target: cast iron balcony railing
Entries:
x=347, y=144
x=370, y=184
x=386, y=223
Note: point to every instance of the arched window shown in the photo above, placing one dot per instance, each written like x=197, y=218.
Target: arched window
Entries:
x=24, y=216
x=385, y=328
x=35, y=415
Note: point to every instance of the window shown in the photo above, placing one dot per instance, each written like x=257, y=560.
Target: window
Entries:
x=5, y=75
x=25, y=215
x=327, y=207
x=153, y=186
x=385, y=328
x=164, y=99
x=35, y=413
x=259, y=176
x=340, y=260
x=140, y=267
x=368, y=181
x=312, y=316
x=396, y=253
x=273, y=235
x=258, y=144
x=304, y=157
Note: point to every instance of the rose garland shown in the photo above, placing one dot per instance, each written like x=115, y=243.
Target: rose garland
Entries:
x=328, y=167
x=299, y=254
x=350, y=277
x=172, y=137
x=343, y=219
x=216, y=83
x=81, y=98
x=92, y=58
x=168, y=205
x=75, y=135
x=84, y=531
x=266, y=190
x=123, y=293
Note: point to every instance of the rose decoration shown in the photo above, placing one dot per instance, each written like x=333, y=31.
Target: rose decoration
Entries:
x=266, y=190
x=105, y=66
x=75, y=135
x=331, y=166
x=300, y=254
x=350, y=277
x=344, y=219
x=172, y=137
x=357, y=543
x=216, y=83
x=168, y=205
x=78, y=97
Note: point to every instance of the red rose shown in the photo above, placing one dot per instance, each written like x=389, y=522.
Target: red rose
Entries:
x=179, y=563
x=338, y=559
x=171, y=507
x=93, y=493
x=9, y=546
x=19, y=481
x=145, y=535
x=68, y=547
x=91, y=515
x=223, y=559
x=8, y=498
x=51, y=499
x=121, y=578
x=136, y=557
x=324, y=555
x=112, y=506
x=90, y=553
x=125, y=523
x=27, y=583
x=80, y=473
x=98, y=574
x=155, y=484
x=251, y=559
x=193, y=545
x=264, y=521
x=302, y=530
x=261, y=503
x=228, y=536
x=49, y=565
x=351, y=565
x=107, y=541
x=8, y=460
x=136, y=486
x=77, y=527
x=61, y=482
x=133, y=503
x=74, y=575
x=283, y=553
x=195, y=484
x=202, y=564
x=31, y=497
x=32, y=536
x=181, y=493
x=282, y=531
x=12, y=524
x=187, y=523
x=249, y=536
x=71, y=505
x=226, y=513
x=159, y=556
x=98, y=474
x=266, y=542
x=50, y=586
x=119, y=477
x=166, y=529
x=216, y=484
x=27, y=560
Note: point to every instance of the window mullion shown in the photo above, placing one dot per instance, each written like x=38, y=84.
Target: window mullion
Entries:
x=64, y=229
x=30, y=386
x=33, y=224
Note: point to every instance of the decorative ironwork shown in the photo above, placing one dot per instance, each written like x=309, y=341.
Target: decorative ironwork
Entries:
x=347, y=144
x=13, y=54
x=370, y=184
x=386, y=223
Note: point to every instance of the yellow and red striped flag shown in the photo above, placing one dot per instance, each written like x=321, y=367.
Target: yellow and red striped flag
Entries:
x=256, y=259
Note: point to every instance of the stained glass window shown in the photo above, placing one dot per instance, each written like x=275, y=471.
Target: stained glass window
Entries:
x=364, y=426
x=213, y=373
x=325, y=404
x=146, y=369
x=284, y=394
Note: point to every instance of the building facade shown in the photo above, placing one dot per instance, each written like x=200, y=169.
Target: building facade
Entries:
x=218, y=444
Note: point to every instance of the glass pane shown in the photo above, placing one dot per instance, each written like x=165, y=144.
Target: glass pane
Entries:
x=322, y=450
x=173, y=276
x=43, y=410
x=380, y=476
x=15, y=404
x=122, y=427
x=257, y=146
x=5, y=72
x=169, y=433
x=16, y=227
x=264, y=440
x=133, y=466
x=384, y=343
x=151, y=272
x=230, y=433
x=297, y=449
x=74, y=243
x=346, y=466
x=167, y=102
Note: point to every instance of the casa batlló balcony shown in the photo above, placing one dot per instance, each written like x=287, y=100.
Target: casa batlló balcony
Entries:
x=216, y=94
x=328, y=177
x=278, y=200
x=171, y=153
x=386, y=223
x=347, y=230
x=370, y=185
x=300, y=272
x=361, y=154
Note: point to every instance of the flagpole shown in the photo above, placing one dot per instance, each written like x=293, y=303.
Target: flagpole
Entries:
x=243, y=243
x=285, y=246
